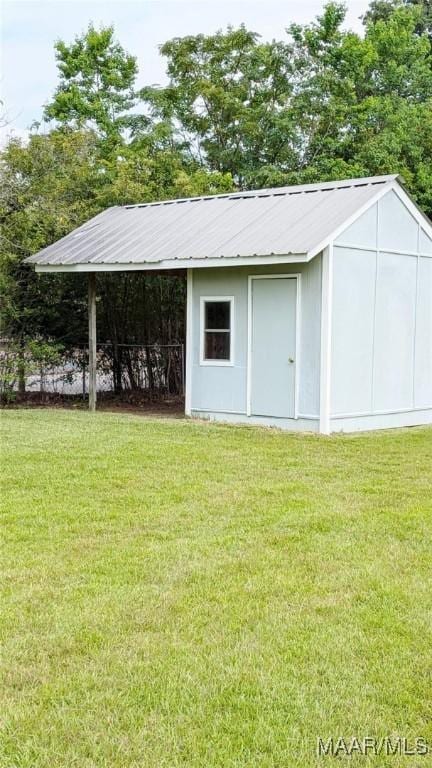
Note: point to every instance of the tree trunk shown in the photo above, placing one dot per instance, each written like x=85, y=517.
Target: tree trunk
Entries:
x=149, y=371
x=117, y=368
x=21, y=369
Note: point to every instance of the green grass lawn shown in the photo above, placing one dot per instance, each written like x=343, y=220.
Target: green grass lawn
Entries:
x=186, y=594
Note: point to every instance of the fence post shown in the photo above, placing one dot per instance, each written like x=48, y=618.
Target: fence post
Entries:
x=83, y=379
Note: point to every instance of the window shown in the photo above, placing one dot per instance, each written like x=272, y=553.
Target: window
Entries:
x=216, y=330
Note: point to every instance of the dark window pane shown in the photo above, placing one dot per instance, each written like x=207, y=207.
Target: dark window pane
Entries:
x=217, y=314
x=217, y=345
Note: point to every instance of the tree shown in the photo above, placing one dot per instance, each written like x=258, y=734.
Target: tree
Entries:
x=49, y=187
x=363, y=105
x=381, y=10
x=325, y=103
x=96, y=88
x=225, y=101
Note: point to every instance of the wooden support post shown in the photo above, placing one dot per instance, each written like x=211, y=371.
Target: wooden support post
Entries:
x=92, y=339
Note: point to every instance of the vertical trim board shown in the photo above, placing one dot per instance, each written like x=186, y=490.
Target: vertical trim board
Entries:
x=189, y=342
x=326, y=331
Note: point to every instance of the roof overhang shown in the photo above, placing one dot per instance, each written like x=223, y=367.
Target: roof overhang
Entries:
x=176, y=264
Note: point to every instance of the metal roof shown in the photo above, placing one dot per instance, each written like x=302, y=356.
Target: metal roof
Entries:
x=267, y=222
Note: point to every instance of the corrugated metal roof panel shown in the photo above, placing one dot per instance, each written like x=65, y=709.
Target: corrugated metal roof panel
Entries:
x=286, y=220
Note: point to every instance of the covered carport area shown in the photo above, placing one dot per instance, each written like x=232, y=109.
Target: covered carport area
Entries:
x=160, y=364
x=120, y=240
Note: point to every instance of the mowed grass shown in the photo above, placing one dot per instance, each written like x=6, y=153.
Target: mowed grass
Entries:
x=187, y=594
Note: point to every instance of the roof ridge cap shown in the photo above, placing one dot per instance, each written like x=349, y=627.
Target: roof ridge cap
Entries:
x=294, y=189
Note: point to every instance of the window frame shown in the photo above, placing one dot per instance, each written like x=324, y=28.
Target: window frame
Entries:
x=203, y=360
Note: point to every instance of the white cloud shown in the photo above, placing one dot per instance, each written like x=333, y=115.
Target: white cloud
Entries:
x=9, y=132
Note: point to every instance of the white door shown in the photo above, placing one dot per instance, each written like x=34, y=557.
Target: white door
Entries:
x=273, y=346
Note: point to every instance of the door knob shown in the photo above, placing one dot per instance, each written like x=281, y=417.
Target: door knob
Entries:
x=290, y=359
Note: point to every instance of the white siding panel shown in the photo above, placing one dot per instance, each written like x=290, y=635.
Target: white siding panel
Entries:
x=352, y=330
x=214, y=387
x=425, y=244
x=397, y=229
x=310, y=335
x=219, y=389
x=423, y=346
x=363, y=232
x=394, y=332
x=382, y=421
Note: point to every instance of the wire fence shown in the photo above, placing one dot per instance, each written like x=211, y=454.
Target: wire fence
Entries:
x=153, y=369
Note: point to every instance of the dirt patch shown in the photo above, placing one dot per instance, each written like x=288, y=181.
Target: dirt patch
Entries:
x=128, y=402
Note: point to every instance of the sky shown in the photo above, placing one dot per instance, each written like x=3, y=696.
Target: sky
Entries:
x=29, y=29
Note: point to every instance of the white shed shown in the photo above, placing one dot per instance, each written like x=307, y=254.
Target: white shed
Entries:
x=308, y=307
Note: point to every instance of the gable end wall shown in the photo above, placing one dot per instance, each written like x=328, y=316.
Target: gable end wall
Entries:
x=381, y=350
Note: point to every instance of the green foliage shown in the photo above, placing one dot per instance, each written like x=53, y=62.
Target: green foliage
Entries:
x=225, y=95
x=50, y=186
x=383, y=9
x=363, y=105
x=325, y=103
x=43, y=353
x=96, y=86
x=21, y=360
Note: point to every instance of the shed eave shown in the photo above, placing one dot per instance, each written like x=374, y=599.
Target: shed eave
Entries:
x=176, y=264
